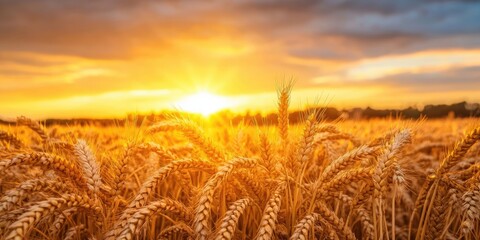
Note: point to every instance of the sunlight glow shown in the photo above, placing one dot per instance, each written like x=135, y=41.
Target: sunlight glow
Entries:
x=204, y=103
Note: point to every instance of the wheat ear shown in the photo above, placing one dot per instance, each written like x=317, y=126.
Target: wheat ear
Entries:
x=339, y=182
x=19, y=229
x=14, y=197
x=34, y=126
x=283, y=103
x=320, y=138
x=58, y=145
x=134, y=223
x=366, y=221
x=168, y=233
x=347, y=160
x=270, y=214
x=459, y=151
x=60, y=220
x=162, y=153
x=230, y=220
x=204, y=204
x=335, y=222
x=326, y=128
x=470, y=205
x=48, y=162
x=74, y=231
x=307, y=141
x=304, y=227
x=121, y=171
x=10, y=138
x=150, y=185
x=436, y=221
x=471, y=211
x=193, y=132
x=384, y=168
x=267, y=156
x=88, y=162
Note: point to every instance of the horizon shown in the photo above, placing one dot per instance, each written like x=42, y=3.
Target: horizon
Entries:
x=471, y=107
x=74, y=59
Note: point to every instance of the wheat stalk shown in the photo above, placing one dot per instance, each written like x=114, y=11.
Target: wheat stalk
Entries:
x=367, y=225
x=19, y=229
x=339, y=182
x=60, y=220
x=48, y=162
x=304, y=226
x=230, y=220
x=138, y=219
x=335, y=222
x=270, y=214
x=347, y=160
x=73, y=231
x=10, y=138
x=149, y=186
x=14, y=197
x=121, y=171
x=34, y=126
x=168, y=233
x=193, y=132
x=342, y=182
x=459, y=151
x=204, y=204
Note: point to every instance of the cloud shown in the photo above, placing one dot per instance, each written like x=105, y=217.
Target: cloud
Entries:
x=416, y=83
x=52, y=50
x=114, y=29
x=458, y=79
x=412, y=63
x=107, y=104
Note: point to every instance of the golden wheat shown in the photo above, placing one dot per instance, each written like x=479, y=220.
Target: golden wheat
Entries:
x=347, y=179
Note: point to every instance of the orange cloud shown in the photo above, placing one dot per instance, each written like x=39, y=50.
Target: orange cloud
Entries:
x=76, y=59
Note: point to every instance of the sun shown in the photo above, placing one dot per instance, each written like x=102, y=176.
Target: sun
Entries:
x=204, y=103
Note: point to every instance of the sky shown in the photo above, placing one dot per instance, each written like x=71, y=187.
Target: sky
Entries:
x=107, y=58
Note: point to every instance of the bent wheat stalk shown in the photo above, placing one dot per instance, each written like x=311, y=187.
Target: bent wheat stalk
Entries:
x=193, y=132
x=204, y=204
x=136, y=221
x=74, y=231
x=178, y=228
x=459, y=151
x=306, y=142
x=230, y=220
x=34, y=126
x=304, y=227
x=150, y=185
x=335, y=222
x=60, y=220
x=10, y=138
x=27, y=220
x=270, y=214
x=14, y=197
x=347, y=160
x=48, y=162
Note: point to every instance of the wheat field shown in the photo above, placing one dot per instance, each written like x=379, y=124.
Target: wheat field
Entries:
x=184, y=179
